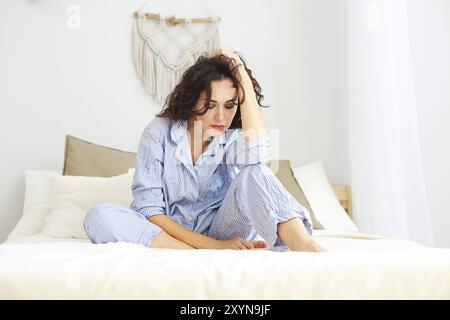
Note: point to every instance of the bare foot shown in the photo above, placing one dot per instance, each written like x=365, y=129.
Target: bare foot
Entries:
x=310, y=246
x=318, y=248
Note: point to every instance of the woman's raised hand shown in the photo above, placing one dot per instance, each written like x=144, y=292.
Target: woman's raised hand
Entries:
x=230, y=54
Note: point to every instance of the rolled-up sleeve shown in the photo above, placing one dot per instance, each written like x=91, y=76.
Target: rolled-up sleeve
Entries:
x=147, y=185
x=242, y=152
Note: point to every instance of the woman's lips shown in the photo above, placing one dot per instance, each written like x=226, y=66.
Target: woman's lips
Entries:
x=218, y=127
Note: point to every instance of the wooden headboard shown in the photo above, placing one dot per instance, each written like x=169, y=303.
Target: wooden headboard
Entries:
x=344, y=195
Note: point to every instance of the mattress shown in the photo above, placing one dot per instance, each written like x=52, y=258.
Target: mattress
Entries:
x=357, y=266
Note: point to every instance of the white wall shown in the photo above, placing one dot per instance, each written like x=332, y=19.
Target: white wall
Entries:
x=55, y=81
x=430, y=41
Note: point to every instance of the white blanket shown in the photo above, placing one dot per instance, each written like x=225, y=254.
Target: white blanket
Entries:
x=358, y=266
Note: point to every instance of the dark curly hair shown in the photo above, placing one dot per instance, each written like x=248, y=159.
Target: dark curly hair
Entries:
x=180, y=103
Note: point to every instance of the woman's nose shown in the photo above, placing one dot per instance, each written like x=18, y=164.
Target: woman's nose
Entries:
x=220, y=113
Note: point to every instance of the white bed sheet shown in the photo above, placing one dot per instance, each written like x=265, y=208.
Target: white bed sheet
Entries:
x=358, y=266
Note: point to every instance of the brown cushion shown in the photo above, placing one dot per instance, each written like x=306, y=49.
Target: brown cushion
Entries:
x=84, y=158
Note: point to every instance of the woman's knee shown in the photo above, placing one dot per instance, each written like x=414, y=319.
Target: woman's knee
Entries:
x=96, y=217
x=254, y=174
x=254, y=169
x=96, y=214
x=109, y=222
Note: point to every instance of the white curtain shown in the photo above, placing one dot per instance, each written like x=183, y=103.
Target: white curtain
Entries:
x=388, y=189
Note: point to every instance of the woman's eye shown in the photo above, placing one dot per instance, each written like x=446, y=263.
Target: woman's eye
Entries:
x=209, y=106
x=213, y=105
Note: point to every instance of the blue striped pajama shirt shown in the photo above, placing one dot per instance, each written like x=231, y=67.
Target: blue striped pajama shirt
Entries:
x=229, y=192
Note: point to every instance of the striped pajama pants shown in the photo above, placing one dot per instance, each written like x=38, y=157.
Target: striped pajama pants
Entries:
x=254, y=204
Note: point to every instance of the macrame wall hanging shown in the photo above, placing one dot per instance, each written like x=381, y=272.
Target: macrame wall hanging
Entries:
x=164, y=47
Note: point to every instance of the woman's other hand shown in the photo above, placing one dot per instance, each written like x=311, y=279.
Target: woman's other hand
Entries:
x=239, y=244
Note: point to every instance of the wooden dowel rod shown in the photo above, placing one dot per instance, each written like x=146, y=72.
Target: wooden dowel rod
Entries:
x=173, y=20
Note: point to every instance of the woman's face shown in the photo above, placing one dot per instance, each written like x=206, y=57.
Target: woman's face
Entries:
x=221, y=111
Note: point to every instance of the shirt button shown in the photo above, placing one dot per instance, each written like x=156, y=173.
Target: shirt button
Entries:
x=190, y=218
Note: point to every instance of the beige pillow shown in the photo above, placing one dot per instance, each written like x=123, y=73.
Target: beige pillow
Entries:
x=84, y=158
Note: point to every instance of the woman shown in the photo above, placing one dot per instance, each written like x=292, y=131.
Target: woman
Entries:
x=186, y=192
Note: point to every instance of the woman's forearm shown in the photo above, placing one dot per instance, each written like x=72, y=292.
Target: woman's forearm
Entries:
x=182, y=233
x=252, y=121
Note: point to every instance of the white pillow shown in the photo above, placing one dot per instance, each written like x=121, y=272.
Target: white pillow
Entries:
x=36, y=204
x=321, y=197
x=71, y=197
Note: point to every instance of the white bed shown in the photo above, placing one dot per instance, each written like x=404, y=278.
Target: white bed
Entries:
x=358, y=266
x=48, y=255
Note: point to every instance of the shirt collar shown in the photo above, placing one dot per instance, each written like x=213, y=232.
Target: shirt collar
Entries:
x=178, y=130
